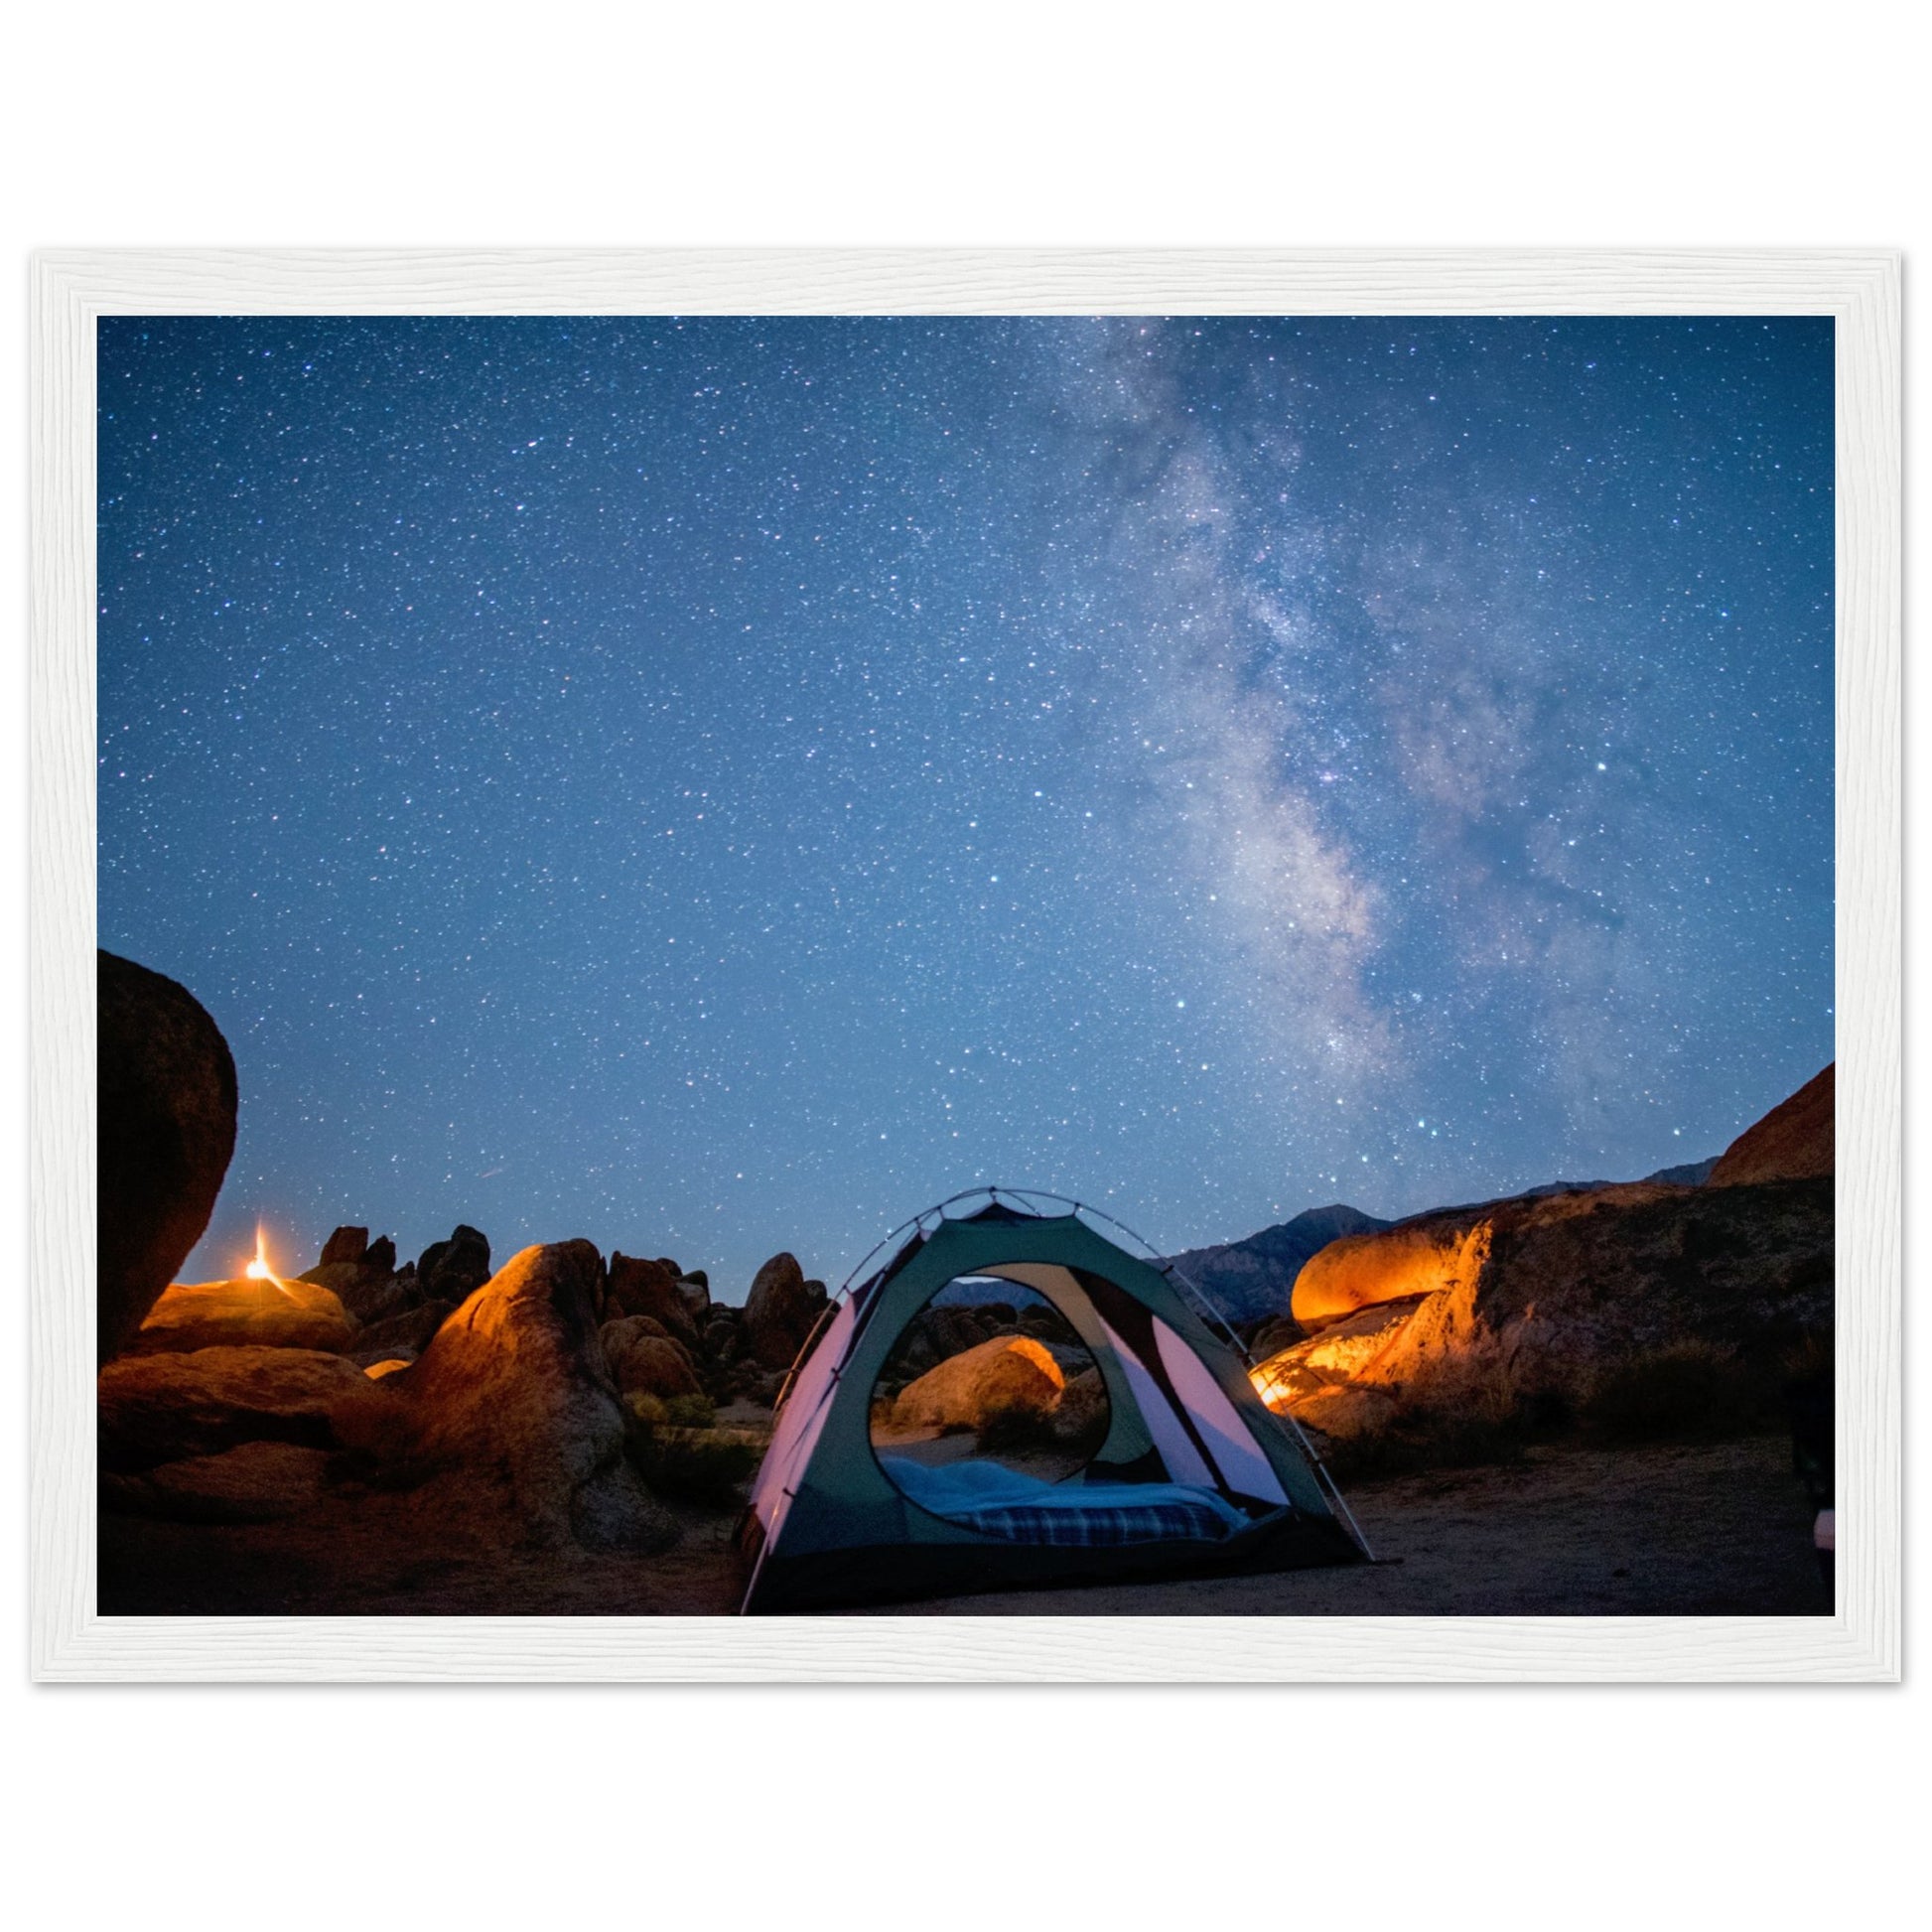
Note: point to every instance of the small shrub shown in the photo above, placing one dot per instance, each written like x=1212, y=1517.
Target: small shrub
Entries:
x=1481, y=1406
x=696, y=1465
x=681, y=1455
x=1016, y=1426
x=1687, y=1391
x=690, y=1412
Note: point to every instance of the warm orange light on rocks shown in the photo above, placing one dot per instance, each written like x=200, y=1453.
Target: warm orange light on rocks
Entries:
x=258, y=1269
x=1270, y=1382
x=1361, y=1269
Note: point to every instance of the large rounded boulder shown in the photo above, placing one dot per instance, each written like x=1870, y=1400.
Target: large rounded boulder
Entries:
x=245, y=1313
x=1361, y=1271
x=780, y=1311
x=644, y=1360
x=512, y=1402
x=155, y=1409
x=166, y=1132
x=649, y=1288
x=1010, y=1372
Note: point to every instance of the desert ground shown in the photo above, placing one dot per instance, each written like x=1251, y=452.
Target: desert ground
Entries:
x=1664, y=1530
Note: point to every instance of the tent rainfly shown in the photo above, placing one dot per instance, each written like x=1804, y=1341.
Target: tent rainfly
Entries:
x=1195, y=1476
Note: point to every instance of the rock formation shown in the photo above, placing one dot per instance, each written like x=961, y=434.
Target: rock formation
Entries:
x=254, y=1482
x=448, y=1271
x=1422, y=1257
x=164, y=1407
x=345, y=1245
x=650, y=1287
x=166, y=1132
x=1555, y=1290
x=404, y=1335
x=245, y=1314
x=1795, y=1141
x=513, y=1397
x=780, y=1311
x=1012, y=1372
x=644, y=1360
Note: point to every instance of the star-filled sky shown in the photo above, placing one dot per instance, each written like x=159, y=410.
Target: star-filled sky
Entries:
x=719, y=786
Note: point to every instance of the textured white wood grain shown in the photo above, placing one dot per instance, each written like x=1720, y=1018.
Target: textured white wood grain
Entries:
x=72, y=288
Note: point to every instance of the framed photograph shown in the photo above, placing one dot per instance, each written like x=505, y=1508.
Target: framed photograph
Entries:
x=1152, y=966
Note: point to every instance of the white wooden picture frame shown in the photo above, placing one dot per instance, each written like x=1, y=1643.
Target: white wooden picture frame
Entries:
x=1860, y=289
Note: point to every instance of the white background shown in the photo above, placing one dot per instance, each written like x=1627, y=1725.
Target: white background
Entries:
x=400, y=124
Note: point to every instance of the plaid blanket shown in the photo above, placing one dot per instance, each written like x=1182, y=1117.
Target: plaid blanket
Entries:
x=997, y=1501
x=1093, y=1526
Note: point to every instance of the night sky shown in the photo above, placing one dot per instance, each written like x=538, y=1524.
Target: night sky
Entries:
x=723, y=784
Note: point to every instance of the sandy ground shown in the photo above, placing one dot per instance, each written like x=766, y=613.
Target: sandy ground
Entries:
x=1719, y=1529
x=1676, y=1531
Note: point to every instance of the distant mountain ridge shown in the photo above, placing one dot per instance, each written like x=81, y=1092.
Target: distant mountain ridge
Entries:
x=1250, y=1279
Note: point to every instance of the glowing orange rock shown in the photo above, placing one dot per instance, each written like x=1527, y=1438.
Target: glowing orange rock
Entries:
x=1362, y=1270
x=1008, y=1372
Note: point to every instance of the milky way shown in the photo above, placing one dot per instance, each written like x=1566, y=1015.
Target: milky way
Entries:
x=723, y=784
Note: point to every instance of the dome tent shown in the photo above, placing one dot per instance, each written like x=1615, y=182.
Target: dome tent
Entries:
x=1194, y=1475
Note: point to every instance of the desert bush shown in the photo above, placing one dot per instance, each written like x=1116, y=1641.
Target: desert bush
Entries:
x=680, y=1456
x=1016, y=1426
x=1686, y=1390
x=696, y=1465
x=690, y=1411
x=1480, y=1406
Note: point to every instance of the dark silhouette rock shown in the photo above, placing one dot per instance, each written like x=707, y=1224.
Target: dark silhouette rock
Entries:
x=511, y=1407
x=406, y=1333
x=453, y=1270
x=381, y=1256
x=779, y=1313
x=257, y=1483
x=346, y=1244
x=1272, y=1335
x=638, y=1287
x=1081, y=1414
x=245, y=1313
x=1796, y=1141
x=377, y=1298
x=1046, y=1323
x=167, y=1408
x=368, y=1295
x=166, y=1129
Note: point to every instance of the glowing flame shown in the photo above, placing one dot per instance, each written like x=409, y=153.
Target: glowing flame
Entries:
x=258, y=1269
